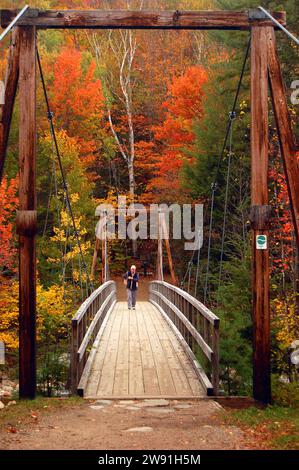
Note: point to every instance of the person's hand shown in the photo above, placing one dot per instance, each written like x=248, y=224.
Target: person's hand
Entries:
x=130, y=277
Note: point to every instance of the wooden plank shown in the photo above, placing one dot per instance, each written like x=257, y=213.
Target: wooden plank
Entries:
x=182, y=360
x=146, y=19
x=27, y=204
x=151, y=397
x=259, y=198
x=121, y=376
x=108, y=371
x=163, y=371
x=207, y=385
x=136, y=384
x=89, y=369
x=11, y=84
x=132, y=354
x=172, y=354
x=97, y=366
x=284, y=128
x=149, y=372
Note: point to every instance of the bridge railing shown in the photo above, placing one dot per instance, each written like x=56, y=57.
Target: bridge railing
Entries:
x=195, y=325
x=85, y=328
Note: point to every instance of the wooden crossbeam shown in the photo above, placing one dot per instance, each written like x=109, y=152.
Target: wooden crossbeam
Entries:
x=11, y=83
x=146, y=19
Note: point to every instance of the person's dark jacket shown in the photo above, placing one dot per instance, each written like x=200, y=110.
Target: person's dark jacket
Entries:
x=131, y=283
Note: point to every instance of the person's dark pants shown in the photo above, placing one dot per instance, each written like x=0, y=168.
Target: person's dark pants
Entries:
x=131, y=294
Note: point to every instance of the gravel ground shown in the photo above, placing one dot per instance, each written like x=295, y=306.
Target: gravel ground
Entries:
x=145, y=425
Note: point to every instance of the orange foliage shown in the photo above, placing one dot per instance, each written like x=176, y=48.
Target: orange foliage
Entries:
x=283, y=233
x=183, y=107
x=8, y=205
x=78, y=100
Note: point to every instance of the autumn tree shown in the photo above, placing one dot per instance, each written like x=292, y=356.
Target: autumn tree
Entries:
x=78, y=103
x=175, y=136
x=8, y=206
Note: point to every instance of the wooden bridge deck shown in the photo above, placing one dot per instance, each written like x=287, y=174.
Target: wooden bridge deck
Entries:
x=140, y=356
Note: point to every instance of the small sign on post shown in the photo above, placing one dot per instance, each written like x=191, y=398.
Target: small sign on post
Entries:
x=2, y=353
x=2, y=93
x=261, y=242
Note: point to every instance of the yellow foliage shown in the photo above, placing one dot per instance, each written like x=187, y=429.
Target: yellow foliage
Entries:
x=74, y=197
x=285, y=320
x=54, y=308
x=9, y=313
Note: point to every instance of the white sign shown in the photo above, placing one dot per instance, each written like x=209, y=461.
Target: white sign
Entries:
x=295, y=94
x=261, y=242
x=2, y=353
x=2, y=93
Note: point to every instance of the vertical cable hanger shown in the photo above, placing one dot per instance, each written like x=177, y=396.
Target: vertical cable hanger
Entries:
x=64, y=183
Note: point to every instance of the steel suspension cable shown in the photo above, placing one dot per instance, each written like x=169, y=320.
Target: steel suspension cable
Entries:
x=232, y=117
x=64, y=183
x=214, y=184
x=209, y=242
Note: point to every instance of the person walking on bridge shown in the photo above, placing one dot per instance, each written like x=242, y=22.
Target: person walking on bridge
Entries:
x=131, y=279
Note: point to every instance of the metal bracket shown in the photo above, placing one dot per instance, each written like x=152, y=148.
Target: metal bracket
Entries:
x=32, y=12
x=260, y=217
x=256, y=14
x=14, y=21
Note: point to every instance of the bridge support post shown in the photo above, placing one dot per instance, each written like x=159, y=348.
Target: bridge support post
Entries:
x=11, y=84
x=259, y=203
x=27, y=216
x=286, y=136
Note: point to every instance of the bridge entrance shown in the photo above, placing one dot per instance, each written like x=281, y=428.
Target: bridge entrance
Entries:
x=153, y=351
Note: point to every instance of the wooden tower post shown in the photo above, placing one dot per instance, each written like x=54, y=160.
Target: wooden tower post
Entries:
x=11, y=83
x=27, y=215
x=284, y=129
x=260, y=215
x=159, y=268
x=167, y=244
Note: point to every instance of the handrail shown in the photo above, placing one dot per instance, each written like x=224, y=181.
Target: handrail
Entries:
x=196, y=327
x=197, y=304
x=87, y=302
x=86, y=324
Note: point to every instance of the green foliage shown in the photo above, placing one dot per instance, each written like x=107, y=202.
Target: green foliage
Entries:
x=52, y=375
x=234, y=311
x=285, y=394
x=274, y=427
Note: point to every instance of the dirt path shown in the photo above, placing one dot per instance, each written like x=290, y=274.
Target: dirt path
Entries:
x=130, y=425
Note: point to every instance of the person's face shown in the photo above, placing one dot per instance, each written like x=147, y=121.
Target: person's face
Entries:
x=133, y=270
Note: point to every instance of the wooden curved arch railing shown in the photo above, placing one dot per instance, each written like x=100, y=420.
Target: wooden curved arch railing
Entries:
x=196, y=327
x=87, y=326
